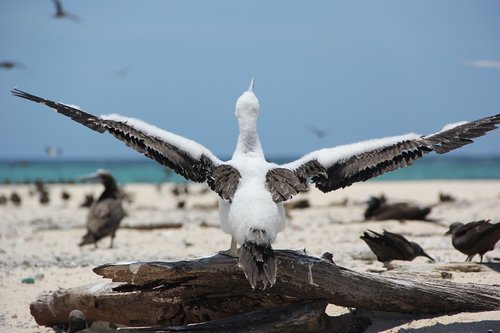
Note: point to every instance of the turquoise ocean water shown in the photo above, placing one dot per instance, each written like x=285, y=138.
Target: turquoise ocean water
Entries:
x=144, y=170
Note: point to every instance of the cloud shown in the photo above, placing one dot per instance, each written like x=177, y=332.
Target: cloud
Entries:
x=484, y=63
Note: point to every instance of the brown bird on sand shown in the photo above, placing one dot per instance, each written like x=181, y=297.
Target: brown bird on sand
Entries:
x=65, y=196
x=474, y=238
x=106, y=213
x=15, y=198
x=390, y=246
x=378, y=209
x=87, y=201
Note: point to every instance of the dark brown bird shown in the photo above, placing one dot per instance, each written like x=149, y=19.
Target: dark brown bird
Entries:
x=11, y=65
x=15, y=198
x=474, y=238
x=44, y=198
x=61, y=13
x=106, y=213
x=3, y=199
x=65, y=196
x=390, y=246
x=378, y=209
x=87, y=201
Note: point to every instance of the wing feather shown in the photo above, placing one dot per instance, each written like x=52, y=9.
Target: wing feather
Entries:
x=339, y=167
x=184, y=156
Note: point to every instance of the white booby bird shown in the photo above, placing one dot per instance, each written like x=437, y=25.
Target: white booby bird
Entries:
x=251, y=190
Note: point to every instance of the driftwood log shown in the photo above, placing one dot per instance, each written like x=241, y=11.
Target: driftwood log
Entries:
x=214, y=290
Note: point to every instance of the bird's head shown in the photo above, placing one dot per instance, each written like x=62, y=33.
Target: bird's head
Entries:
x=101, y=176
x=419, y=252
x=247, y=106
x=454, y=226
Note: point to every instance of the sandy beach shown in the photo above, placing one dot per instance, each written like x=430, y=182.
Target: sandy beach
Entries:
x=40, y=241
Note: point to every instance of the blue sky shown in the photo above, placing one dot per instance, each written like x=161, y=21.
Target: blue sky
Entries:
x=357, y=69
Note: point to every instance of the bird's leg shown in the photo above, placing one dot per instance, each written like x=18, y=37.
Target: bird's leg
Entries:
x=112, y=238
x=481, y=258
x=233, y=250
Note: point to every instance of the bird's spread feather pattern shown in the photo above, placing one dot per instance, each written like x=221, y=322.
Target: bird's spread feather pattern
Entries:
x=252, y=191
x=284, y=184
x=257, y=260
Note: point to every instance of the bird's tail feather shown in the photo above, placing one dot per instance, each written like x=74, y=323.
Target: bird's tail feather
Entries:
x=258, y=263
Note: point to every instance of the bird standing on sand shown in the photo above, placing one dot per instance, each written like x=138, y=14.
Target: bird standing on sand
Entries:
x=474, y=238
x=391, y=246
x=106, y=213
x=16, y=199
x=378, y=209
x=251, y=190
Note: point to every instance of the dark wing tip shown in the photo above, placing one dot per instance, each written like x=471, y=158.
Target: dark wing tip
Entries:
x=77, y=115
x=461, y=135
x=22, y=94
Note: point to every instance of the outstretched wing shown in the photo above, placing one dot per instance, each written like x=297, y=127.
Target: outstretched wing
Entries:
x=339, y=167
x=186, y=157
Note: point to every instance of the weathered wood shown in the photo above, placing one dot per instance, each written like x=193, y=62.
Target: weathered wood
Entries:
x=212, y=288
x=305, y=277
x=299, y=317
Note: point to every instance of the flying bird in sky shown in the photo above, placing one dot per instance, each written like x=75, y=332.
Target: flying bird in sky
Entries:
x=61, y=13
x=11, y=65
x=251, y=190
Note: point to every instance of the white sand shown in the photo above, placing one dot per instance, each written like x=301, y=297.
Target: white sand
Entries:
x=41, y=241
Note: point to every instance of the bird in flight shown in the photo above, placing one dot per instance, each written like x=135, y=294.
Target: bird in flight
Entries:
x=61, y=13
x=251, y=190
x=11, y=65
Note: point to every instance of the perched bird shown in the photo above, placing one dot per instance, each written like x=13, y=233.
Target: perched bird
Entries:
x=61, y=13
x=444, y=197
x=378, y=209
x=474, y=238
x=87, y=201
x=391, y=246
x=15, y=198
x=106, y=213
x=251, y=190
x=3, y=199
x=65, y=196
x=44, y=198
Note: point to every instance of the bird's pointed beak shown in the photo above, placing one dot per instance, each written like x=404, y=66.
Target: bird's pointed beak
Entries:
x=88, y=178
x=251, y=86
x=447, y=233
x=428, y=256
